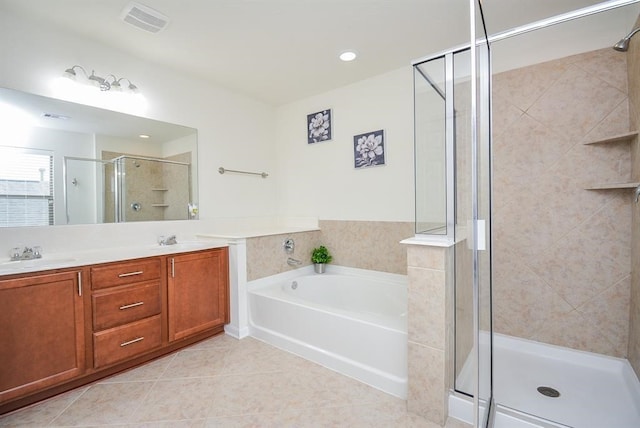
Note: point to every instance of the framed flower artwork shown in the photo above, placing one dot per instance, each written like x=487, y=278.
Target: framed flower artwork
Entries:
x=319, y=126
x=369, y=149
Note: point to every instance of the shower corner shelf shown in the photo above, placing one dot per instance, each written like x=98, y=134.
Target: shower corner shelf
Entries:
x=160, y=205
x=614, y=186
x=159, y=190
x=628, y=136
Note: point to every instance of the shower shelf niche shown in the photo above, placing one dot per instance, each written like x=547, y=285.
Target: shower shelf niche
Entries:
x=614, y=186
x=615, y=139
x=628, y=136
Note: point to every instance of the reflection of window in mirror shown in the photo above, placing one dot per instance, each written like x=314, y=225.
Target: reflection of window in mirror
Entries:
x=26, y=187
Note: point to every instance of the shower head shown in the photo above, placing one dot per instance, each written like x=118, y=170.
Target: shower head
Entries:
x=623, y=44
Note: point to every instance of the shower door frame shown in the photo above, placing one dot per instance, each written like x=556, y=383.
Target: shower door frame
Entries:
x=480, y=79
x=476, y=234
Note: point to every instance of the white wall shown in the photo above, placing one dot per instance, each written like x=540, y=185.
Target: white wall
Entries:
x=237, y=132
x=234, y=131
x=320, y=179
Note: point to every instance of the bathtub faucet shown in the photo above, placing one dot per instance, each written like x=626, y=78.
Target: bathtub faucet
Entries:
x=293, y=262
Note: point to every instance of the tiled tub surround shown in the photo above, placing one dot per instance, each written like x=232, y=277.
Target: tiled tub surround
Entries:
x=562, y=253
x=371, y=245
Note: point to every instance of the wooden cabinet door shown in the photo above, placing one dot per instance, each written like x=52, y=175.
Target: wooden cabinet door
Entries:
x=198, y=286
x=41, y=332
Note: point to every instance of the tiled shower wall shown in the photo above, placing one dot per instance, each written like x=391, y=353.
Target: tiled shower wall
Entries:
x=373, y=245
x=562, y=253
x=633, y=60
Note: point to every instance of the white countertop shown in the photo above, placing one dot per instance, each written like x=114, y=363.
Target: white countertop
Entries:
x=105, y=255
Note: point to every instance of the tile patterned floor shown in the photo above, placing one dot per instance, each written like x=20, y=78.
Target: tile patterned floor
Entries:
x=223, y=382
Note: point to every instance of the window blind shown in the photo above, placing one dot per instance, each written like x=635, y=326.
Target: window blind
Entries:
x=26, y=187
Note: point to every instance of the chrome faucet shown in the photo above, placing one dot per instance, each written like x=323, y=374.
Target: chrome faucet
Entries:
x=27, y=253
x=169, y=240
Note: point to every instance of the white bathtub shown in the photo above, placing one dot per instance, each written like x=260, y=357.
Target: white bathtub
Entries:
x=350, y=320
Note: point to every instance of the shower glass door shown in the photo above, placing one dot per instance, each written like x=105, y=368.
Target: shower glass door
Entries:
x=481, y=215
x=452, y=201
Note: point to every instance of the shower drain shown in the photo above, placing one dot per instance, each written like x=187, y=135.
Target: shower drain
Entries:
x=548, y=391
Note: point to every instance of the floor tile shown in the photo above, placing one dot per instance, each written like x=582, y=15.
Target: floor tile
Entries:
x=223, y=382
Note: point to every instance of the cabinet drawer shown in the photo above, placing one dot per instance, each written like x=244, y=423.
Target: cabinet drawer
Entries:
x=125, y=273
x=127, y=304
x=121, y=343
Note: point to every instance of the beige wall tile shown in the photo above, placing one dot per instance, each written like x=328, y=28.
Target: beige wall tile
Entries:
x=427, y=392
x=426, y=257
x=576, y=102
x=557, y=247
x=633, y=73
x=604, y=241
x=574, y=330
x=539, y=79
x=266, y=255
x=373, y=245
x=609, y=311
x=427, y=307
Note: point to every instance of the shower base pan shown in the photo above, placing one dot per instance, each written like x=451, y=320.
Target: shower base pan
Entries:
x=541, y=385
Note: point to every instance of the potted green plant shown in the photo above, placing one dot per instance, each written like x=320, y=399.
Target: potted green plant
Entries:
x=320, y=257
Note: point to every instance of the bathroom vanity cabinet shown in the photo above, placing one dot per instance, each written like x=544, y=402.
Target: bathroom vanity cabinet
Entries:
x=126, y=306
x=63, y=328
x=42, y=331
x=195, y=278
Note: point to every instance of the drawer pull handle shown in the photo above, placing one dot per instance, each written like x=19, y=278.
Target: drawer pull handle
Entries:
x=124, y=275
x=131, y=342
x=133, y=305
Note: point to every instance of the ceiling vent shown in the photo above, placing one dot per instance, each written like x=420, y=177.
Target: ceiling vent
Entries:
x=144, y=18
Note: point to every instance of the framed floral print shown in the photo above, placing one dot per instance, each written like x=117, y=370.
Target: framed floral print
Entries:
x=319, y=126
x=368, y=149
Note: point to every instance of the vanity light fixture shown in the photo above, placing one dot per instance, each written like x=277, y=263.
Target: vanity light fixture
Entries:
x=144, y=136
x=347, y=56
x=111, y=82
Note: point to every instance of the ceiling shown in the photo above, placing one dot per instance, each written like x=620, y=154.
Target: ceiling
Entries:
x=280, y=51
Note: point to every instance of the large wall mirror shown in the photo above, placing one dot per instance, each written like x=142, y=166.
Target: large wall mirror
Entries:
x=67, y=163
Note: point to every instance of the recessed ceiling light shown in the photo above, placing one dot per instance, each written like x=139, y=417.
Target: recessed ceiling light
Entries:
x=143, y=136
x=348, y=56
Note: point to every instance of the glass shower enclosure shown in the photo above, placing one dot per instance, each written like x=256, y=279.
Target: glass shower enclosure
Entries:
x=127, y=188
x=452, y=172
